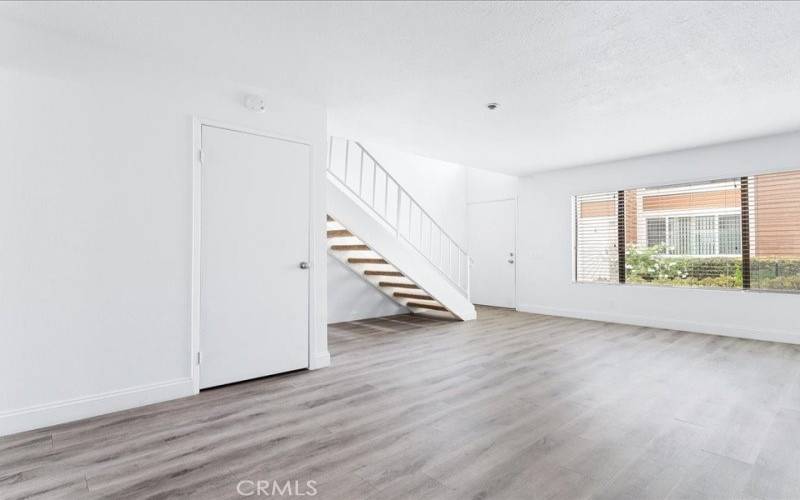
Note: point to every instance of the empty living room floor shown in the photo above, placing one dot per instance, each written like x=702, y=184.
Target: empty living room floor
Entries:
x=512, y=405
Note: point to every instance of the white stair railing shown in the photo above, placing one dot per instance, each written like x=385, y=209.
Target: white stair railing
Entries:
x=356, y=170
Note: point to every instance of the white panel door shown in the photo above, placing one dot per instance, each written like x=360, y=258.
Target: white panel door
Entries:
x=254, y=224
x=492, y=247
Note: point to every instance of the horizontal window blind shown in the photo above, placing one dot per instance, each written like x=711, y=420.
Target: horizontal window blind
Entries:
x=596, y=228
x=730, y=233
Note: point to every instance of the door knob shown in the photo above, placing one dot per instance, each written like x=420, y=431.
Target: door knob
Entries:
x=510, y=261
x=304, y=265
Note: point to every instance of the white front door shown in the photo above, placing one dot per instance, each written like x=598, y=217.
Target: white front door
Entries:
x=492, y=247
x=254, y=224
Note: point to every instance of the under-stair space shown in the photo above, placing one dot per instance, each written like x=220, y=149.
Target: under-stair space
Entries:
x=379, y=231
x=373, y=268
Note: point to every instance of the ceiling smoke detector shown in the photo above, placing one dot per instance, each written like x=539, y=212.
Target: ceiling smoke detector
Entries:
x=492, y=106
x=255, y=103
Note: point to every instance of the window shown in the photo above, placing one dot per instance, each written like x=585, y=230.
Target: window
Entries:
x=681, y=236
x=731, y=233
x=656, y=231
x=696, y=235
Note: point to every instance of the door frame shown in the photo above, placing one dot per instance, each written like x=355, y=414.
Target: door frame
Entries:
x=197, y=143
x=516, y=236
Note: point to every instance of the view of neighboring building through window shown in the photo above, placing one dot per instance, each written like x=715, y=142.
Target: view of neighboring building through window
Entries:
x=696, y=235
x=775, y=231
x=693, y=234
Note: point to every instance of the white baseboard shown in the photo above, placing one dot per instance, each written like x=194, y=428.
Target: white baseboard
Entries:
x=319, y=360
x=772, y=335
x=34, y=417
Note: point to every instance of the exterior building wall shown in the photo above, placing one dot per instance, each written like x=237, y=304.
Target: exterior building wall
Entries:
x=632, y=235
x=776, y=211
x=598, y=208
x=729, y=198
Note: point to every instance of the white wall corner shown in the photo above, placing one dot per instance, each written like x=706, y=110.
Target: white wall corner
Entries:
x=58, y=412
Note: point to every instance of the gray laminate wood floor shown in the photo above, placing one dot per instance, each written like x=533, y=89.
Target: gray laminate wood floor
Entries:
x=512, y=405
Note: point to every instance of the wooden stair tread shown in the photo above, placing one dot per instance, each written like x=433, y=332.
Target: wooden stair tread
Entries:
x=339, y=233
x=344, y=233
x=364, y=260
x=383, y=273
x=349, y=247
x=405, y=295
x=426, y=306
x=387, y=284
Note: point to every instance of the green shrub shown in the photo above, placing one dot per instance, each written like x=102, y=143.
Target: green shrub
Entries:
x=651, y=265
x=765, y=268
x=777, y=283
x=775, y=274
x=708, y=282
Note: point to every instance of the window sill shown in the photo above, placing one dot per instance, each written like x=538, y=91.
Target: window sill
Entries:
x=675, y=287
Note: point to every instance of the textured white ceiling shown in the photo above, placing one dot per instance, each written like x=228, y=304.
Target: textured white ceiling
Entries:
x=577, y=82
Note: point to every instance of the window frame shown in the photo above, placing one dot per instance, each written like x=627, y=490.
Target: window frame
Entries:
x=746, y=182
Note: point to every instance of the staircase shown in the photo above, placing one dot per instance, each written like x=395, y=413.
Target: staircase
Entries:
x=380, y=232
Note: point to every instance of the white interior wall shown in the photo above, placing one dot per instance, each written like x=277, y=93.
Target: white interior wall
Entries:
x=485, y=185
x=351, y=298
x=544, y=271
x=96, y=218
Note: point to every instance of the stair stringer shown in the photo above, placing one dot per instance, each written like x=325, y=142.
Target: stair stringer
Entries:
x=354, y=215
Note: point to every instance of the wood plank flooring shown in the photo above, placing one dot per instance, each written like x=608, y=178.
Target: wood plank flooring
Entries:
x=512, y=406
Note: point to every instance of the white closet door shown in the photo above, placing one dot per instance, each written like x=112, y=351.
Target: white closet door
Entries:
x=254, y=223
